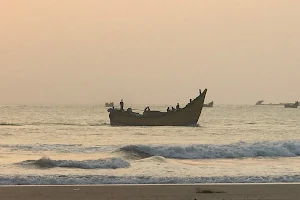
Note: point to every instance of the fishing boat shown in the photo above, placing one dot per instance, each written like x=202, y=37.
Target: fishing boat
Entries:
x=110, y=104
x=291, y=105
x=188, y=115
x=260, y=103
x=210, y=104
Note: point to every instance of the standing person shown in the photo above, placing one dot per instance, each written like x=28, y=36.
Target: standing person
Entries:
x=177, y=106
x=122, y=105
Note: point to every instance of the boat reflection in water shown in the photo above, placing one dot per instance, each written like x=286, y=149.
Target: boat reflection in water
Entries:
x=188, y=115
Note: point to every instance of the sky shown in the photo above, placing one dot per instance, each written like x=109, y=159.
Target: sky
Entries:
x=149, y=52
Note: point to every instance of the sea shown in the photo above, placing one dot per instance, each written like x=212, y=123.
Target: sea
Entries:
x=76, y=145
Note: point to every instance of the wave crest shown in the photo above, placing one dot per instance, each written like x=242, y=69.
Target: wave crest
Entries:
x=109, y=163
x=212, y=151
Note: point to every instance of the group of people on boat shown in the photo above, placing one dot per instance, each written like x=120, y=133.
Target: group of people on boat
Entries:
x=172, y=109
x=147, y=109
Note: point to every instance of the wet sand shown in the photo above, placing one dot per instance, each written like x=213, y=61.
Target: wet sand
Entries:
x=155, y=192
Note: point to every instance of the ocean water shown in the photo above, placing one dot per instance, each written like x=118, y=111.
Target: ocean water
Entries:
x=74, y=144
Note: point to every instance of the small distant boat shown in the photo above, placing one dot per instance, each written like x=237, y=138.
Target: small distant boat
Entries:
x=210, y=104
x=110, y=104
x=188, y=115
x=291, y=105
x=260, y=103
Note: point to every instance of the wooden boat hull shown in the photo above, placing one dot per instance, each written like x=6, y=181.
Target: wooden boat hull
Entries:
x=188, y=115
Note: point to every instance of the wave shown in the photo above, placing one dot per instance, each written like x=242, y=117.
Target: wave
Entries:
x=9, y=124
x=61, y=148
x=213, y=151
x=109, y=163
x=53, y=124
x=67, y=124
x=102, y=179
x=158, y=159
x=99, y=124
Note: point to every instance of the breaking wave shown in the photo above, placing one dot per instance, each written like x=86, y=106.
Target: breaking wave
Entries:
x=158, y=159
x=109, y=163
x=102, y=179
x=213, y=151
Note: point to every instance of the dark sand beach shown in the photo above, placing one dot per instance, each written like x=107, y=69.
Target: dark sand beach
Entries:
x=155, y=192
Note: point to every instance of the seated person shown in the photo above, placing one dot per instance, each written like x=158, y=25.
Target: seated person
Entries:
x=177, y=106
x=121, y=104
x=173, y=109
x=168, y=109
x=147, y=109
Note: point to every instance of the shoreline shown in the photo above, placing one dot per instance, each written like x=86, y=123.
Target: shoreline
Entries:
x=278, y=191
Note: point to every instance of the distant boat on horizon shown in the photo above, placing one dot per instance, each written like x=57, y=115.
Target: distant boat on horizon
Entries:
x=110, y=104
x=260, y=103
x=291, y=105
x=210, y=104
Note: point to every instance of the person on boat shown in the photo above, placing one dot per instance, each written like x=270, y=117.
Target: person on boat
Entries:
x=147, y=109
x=190, y=100
x=122, y=105
x=168, y=109
x=177, y=106
x=173, y=109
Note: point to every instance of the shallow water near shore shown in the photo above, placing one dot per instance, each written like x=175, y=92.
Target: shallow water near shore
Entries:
x=74, y=144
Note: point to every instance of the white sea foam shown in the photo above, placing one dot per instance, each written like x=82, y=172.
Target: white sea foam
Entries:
x=155, y=159
x=213, y=151
x=109, y=163
x=100, y=179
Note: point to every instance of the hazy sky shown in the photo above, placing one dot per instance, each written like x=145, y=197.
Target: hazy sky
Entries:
x=158, y=51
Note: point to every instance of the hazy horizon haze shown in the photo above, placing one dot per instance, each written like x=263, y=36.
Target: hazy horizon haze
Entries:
x=149, y=52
